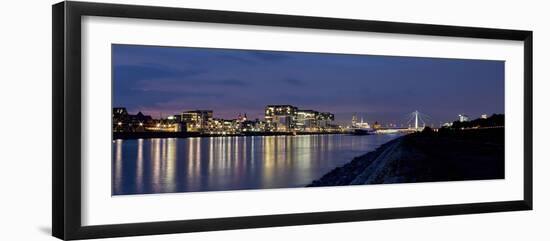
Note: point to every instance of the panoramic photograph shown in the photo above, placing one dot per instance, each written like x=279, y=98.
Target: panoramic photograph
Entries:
x=189, y=119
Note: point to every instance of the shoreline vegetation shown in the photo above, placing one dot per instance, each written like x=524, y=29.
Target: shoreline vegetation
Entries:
x=466, y=152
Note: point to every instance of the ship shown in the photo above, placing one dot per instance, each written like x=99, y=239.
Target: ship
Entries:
x=362, y=132
x=361, y=128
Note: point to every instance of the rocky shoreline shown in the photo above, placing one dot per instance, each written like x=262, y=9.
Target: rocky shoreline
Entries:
x=426, y=157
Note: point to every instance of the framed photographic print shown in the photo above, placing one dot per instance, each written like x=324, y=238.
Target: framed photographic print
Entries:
x=169, y=120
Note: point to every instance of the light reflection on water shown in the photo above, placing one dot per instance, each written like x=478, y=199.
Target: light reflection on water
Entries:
x=231, y=163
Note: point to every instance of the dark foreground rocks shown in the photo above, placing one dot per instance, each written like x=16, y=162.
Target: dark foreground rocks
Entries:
x=426, y=157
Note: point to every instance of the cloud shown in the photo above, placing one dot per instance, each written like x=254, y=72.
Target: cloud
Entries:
x=294, y=82
x=228, y=82
x=146, y=71
x=178, y=85
x=236, y=58
x=270, y=56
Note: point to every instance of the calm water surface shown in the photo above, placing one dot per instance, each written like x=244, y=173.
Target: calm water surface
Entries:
x=231, y=163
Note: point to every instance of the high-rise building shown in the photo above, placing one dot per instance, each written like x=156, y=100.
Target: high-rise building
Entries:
x=306, y=120
x=325, y=119
x=290, y=118
x=280, y=117
x=197, y=120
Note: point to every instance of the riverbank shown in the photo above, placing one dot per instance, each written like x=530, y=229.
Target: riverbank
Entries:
x=150, y=135
x=426, y=157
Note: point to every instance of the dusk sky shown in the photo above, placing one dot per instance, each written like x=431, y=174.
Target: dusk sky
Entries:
x=169, y=80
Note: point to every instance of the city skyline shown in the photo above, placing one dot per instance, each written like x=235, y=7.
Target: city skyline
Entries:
x=170, y=80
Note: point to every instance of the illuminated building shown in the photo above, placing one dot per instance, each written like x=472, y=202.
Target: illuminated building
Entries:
x=463, y=118
x=197, y=120
x=280, y=117
x=284, y=118
x=306, y=120
x=324, y=119
x=250, y=126
x=172, y=123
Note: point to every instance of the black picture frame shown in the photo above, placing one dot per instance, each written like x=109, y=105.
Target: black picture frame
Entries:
x=66, y=128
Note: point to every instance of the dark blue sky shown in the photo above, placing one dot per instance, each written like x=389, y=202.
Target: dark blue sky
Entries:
x=170, y=80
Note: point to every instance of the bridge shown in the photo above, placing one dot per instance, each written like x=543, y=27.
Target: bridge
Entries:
x=416, y=121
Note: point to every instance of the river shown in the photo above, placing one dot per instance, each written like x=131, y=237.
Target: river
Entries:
x=169, y=165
